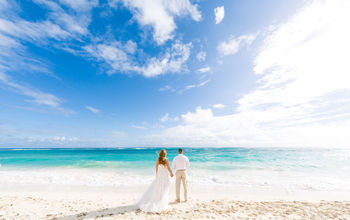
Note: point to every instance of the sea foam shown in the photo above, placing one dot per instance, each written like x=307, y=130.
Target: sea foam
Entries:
x=287, y=169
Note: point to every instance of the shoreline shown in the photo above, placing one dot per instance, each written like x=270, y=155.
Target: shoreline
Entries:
x=198, y=191
x=63, y=203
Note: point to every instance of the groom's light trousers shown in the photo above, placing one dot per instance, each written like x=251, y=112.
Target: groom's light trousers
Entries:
x=181, y=177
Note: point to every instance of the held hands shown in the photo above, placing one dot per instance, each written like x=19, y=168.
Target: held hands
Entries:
x=171, y=174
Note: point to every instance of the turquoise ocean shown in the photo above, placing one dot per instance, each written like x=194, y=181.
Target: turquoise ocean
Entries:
x=282, y=168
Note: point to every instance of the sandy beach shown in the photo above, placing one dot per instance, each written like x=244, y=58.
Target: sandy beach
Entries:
x=206, y=202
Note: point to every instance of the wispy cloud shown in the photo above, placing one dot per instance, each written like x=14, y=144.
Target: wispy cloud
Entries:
x=92, y=109
x=139, y=127
x=16, y=33
x=37, y=96
x=32, y=31
x=116, y=55
x=219, y=14
x=59, y=25
x=167, y=88
x=201, y=56
x=13, y=54
x=167, y=118
x=182, y=90
x=72, y=16
x=80, y=5
x=192, y=86
x=164, y=118
x=232, y=45
x=204, y=69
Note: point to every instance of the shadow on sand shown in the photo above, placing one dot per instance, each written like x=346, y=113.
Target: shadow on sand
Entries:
x=101, y=213
x=105, y=212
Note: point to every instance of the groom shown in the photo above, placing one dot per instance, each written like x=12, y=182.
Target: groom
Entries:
x=181, y=164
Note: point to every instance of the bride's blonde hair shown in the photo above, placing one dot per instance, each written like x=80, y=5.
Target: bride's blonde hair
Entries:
x=161, y=158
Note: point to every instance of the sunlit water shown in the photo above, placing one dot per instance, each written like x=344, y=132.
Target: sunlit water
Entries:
x=287, y=169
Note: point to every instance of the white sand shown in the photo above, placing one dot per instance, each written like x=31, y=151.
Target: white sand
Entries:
x=50, y=202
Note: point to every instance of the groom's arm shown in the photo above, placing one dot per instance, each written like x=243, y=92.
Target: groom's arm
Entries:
x=173, y=164
x=187, y=163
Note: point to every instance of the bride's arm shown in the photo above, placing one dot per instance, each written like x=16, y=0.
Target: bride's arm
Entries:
x=157, y=163
x=171, y=172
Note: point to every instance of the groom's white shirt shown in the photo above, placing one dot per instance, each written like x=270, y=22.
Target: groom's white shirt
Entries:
x=180, y=162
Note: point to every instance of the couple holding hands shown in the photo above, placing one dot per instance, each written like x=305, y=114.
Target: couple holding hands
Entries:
x=156, y=197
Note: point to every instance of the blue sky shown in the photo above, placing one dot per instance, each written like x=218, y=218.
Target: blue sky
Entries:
x=128, y=73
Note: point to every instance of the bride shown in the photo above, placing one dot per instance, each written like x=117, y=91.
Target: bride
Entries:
x=156, y=196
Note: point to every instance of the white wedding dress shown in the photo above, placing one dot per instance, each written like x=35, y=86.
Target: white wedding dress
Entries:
x=156, y=197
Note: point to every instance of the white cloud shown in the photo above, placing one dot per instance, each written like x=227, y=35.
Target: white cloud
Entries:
x=201, y=56
x=160, y=14
x=63, y=138
x=200, y=115
x=233, y=45
x=130, y=47
x=115, y=55
x=303, y=95
x=92, y=109
x=172, y=61
x=164, y=118
x=218, y=106
x=305, y=59
x=219, y=14
x=120, y=58
x=204, y=69
x=60, y=140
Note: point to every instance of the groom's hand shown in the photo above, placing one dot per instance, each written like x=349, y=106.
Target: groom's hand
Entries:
x=171, y=175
